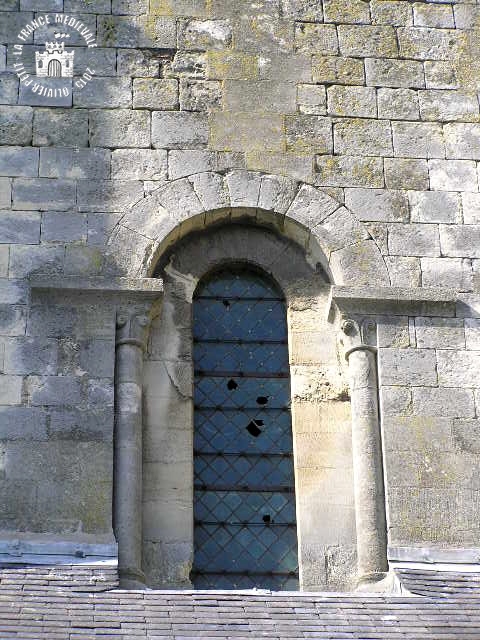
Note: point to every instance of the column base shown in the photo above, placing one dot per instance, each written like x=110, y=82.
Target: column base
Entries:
x=131, y=579
x=378, y=582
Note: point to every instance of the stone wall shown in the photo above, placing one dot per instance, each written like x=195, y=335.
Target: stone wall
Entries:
x=374, y=104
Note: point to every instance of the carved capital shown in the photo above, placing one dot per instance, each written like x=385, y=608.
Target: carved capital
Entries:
x=132, y=327
x=357, y=334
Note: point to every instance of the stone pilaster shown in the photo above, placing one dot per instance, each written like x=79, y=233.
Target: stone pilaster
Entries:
x=132, y=324
x=359, y=342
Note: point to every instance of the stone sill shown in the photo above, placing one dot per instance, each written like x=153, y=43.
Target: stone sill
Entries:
x=37, y=551
x=395, y=301
x=145, y=287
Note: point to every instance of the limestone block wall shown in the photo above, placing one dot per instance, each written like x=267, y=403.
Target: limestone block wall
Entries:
x=373, y=103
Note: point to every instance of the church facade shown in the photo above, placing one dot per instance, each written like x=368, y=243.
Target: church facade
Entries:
x=239, y=290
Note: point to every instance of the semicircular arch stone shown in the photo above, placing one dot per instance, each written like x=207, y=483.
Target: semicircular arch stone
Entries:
x=329, y=232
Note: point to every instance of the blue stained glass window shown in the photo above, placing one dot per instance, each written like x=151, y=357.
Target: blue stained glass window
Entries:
x=244, y=509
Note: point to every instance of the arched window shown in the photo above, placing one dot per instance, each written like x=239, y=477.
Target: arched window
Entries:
x=244, y=499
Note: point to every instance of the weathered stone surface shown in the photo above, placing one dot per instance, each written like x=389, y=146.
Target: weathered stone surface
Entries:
x=439, y=333
x=139, y=164
x=19, y=227
x=377, y=204
x=418, y=140
x=431, y=206
x=306, y=134
x=104, y=92
x=414, y=240
x=74, y=163
x=19, y=161
x=155, y=94
x=453, y=175
x=404, y=173
x=394, y=73
x=30, y=355
x=200, y=95
x=241, y=132
x=43, y=194
x=176, y=130
x=60, y=128
x=455, y=369
x=22, y=423
x=243, y=95
x=108, y=195
x=16, y=125
x=367, y=40
x=349, y=171
x=462, y=141
x=119, y=128
x=64, y=227
x=454, y=273
x=398, y=104
x=448, y=105
x=337, y=70
x=408, y=367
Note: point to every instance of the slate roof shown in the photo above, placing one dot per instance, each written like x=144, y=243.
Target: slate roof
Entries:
x=52, y=603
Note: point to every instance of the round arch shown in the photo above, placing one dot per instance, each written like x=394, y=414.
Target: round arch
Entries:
x=329, y=233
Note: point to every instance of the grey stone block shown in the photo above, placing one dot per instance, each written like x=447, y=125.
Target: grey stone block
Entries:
x=433, y=15
x=393, y=332
x=349, y=171
x=13, y=292
x=418, y=140
x=398, y=104
x=365, y=137
x=62, y=128
x=5, y=193
x=211, y=190
x=55, y=390
x=12, y=321
x=129, y=7
x=75, y=163
x=396, y=401
x=460, y=241
x=43, y=194
x=337, y=70
x=22, y=423
x=244, y=95
x=377, y=205
x=19, y=227
x=413, y=240
x=100, y=392
x=205, y=34
x=155, y=94
x=26, y=260
x=462, y=141
x=52, y=320
x=311, y=99
x=404, y=271
x=108, y=195
x=466, y=436
x=185, y=163
x=200, y=95
x=241, y=132
x=158, y=32
x=454, y=273
x=9, y=89
x=448, y=105
x=404, y=173
x=139, y=164
x=453, y=175
x=455, y=369
x=316, y=38
x=12, y=23
x=307, y=134
x=408, y=367
x=30, y=356
x=425, y=43
x=11, y=390
x=64, y=227
x=19, y=161
x=104, y=92
x=78, y=424
x=100, y=226
x=177, y=130
x=472, y=334
x=102, y=60
x=356, y=102
x=367, y=40
x=440, y=75
x=439, y=333
x=16, y=125
x=3, y=58
x=119, y=128
x=394, y=73
x=47, y=92
x=97, y=358
x=135, y=63
x=434, y=206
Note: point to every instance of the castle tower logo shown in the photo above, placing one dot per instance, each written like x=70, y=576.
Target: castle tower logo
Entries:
x=55, y=62
x=54, y=75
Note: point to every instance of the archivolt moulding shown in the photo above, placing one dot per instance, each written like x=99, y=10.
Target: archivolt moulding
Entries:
x=328, y=231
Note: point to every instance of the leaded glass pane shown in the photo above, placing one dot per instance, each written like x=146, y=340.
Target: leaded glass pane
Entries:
x=245, y=525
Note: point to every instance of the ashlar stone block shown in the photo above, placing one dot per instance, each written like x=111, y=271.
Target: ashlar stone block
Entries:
x=119, y=128
x=177, y=130
x=408, y=367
